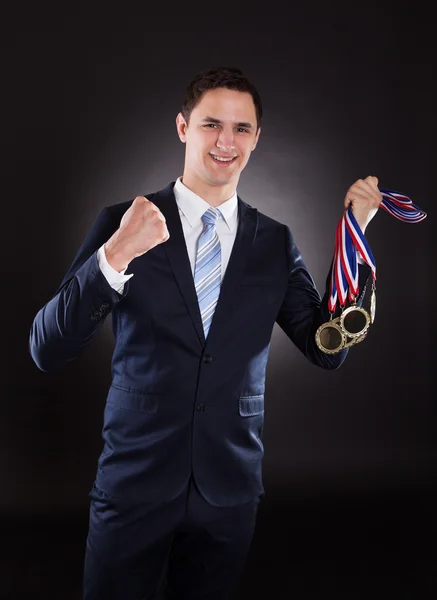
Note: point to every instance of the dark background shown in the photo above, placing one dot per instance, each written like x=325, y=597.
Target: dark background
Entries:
x=89, y=108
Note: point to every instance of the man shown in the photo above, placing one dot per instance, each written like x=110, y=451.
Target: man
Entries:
x=179, y=479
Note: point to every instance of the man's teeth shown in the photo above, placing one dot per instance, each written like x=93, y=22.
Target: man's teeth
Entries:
x=222, y=159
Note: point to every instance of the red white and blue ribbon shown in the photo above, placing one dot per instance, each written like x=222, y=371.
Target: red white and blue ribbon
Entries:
x=401, y=207
x=350, y=240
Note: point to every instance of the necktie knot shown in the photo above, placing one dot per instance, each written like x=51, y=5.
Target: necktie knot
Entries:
x=209, y=217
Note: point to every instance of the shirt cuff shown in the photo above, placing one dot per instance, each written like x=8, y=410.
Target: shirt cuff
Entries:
x=115, y=279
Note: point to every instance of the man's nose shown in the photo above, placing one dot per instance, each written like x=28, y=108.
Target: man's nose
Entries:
x=226, y=139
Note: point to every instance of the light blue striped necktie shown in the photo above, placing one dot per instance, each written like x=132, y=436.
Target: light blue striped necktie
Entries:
x=207, y=270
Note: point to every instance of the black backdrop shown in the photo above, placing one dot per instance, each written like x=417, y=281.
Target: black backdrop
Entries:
x=89, y=120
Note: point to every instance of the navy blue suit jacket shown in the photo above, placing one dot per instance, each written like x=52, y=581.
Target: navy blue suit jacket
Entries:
x=179, y=404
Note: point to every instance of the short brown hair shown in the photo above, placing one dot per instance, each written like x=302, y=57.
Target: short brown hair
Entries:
x=219, y=77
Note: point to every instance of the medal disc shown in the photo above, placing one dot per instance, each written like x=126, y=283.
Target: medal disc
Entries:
x=354, y=321
x=329, y=337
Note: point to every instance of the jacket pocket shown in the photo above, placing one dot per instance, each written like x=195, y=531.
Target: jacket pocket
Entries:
x=133, y=400
x=251, y=405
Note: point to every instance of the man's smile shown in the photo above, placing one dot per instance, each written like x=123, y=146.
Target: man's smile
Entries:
x=223, y=161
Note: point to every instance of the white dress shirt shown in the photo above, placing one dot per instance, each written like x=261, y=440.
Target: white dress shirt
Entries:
x=191, y=208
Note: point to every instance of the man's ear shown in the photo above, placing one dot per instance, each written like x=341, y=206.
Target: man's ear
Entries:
x=181, y=126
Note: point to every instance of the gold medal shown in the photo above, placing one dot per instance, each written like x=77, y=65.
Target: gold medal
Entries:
x=350, y=328
x=373, y=304
x=329, y=337
x=354, y=321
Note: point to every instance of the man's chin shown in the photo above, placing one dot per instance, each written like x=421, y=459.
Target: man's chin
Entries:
x=220, y=178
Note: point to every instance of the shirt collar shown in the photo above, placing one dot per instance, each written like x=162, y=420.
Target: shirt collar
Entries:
x=193, y=206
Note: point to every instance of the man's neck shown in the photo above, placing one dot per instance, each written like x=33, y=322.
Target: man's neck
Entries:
x=214, y=195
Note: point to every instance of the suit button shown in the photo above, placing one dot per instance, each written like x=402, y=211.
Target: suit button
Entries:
x=202, y=407
x=207, y=358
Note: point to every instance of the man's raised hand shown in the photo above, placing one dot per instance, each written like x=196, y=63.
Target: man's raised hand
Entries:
x=142, y=227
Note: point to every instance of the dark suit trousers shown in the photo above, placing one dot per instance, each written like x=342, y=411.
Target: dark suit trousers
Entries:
x=187, y=546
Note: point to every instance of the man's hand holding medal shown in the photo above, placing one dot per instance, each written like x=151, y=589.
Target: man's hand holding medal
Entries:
x=362, y=201
x=364, y=198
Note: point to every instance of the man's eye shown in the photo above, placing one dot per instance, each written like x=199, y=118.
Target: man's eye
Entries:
x=240, y=129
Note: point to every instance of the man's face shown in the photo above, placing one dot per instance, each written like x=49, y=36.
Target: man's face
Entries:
x=222, y=126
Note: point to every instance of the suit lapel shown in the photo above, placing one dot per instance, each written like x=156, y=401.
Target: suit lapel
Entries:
x=176, y=250
x=177, y=254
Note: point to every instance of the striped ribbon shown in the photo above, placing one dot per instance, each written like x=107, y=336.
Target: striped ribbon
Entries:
x=349, y=239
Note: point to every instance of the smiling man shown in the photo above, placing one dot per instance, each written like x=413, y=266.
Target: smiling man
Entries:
x=179, y=478
x=220, y=133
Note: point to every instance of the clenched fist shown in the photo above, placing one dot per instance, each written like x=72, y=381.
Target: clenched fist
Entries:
x=364, y=197
x=142, y=227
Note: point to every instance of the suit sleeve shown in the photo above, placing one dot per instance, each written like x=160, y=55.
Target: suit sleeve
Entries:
x=68, y=322
x=303, y=310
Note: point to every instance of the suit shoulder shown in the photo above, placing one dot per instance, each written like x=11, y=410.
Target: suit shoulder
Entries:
x=270, y=223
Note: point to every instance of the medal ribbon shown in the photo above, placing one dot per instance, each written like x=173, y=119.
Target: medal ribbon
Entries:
x=349, y=239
